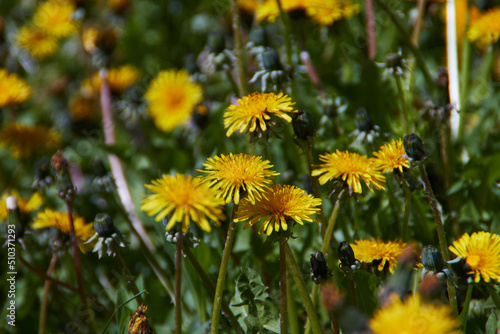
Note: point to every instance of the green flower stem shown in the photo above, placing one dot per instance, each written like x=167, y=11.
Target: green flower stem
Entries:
x=128, y=277
x=230, y=78
x=301, y=285
x=464, y=72
x=210, y=286
x=325, y=249
x=294, y=322
x=283, y=296
x=315, y=186
x=406, y=217
x=240, y=56
x=418, y=22
x=465, y=311
x=411, y=46
x=45, y=295
x=178, y=272
x=223, y=272
x=441, y=235
x=404, y=110
x=76, y=252
x=494, y=295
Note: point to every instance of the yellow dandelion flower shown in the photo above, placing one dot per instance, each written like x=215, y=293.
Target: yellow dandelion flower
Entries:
x=277, y=207
x=326, y=12
x=414, y=317
x=389, y=157
x=119, y=79
x=238, y=174
x=53, y=17
x=28, y=141
x=14, y=90
x=481, y=252
x=186, y=199
x=257, y=108
x=376, y=250
x=36, y=42
x=172, y=97
x=485, y=30
x=25, y=206
x=81, y=108
x=248, y=6
x=351, y=167
x=269, y=9
x=59, y=220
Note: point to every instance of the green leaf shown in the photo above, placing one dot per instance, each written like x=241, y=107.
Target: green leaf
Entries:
x=493, y=323
x=258, y=313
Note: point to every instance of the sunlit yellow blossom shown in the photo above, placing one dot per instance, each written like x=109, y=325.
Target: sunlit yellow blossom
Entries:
x=81, y=108
x=481, y=252
x=376, y=250
x=53, y=17
x=185, y=199
x=25, y=205
x=13, y=89
x=36, y=42
x=257, y=108
x=248, y=6
x=238, y=175
x=28, y=141
x=485, y=30
x=351, y=167
x=119, y=79
x=172, y=97
x=269, y=9
x=59, y=220
x=278, y=207
x=414, y=317
x=389, y=157
x=326, y=12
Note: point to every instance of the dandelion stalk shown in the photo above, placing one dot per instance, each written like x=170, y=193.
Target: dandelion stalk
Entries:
x=240, y=57
x=178, y=275
x=465, y=311
x=465, y=70
x=223, y=272
x=283, y=294
x=315, y=186
x=404, y=111
x=301, y=285
x=209, y=284
x=76, y=252
x=441, y=234
x=128, y=277
x=45, y=294
x=294, y=323
x=406, y=217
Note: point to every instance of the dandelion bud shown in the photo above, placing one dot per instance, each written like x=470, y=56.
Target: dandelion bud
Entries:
x=363, y=120
x=346, y=256
x=395, y=63
x=432, y=259
x=302, y=125
x=319, y=270
x=139, y=323
x=60, y=167
x=103, y=225
x=414, y=147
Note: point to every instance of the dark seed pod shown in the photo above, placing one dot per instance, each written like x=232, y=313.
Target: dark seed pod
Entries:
x=319, y=269
x=103, y=225
x=414, y=147
x=302, y=125
x=346, y=256
x=432, y=259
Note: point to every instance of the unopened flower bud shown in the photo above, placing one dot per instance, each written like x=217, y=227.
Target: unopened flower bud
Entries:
x=363, y=120
x=302, y=125
x=432, y=259
x=346, y=256
x=103, y=225
x=60, y=166
x=414, y=147
x=319, y=269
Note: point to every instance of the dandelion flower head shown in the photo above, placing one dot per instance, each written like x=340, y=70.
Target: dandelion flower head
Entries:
x=119, y=79
x=485, y=30
x=185, y=199
x=389, y=157
x=14, y=90
x=481, y=252
x=376, y=250
x=413, y=316
x=237, y=174
x=255, y=109
x=28, y=141
x=350, y=167
x=278, y=207
x=36, y=42
x=172, y=96
x=54, y=17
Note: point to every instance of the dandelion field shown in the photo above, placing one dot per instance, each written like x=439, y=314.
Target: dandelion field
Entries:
x=246, y=166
